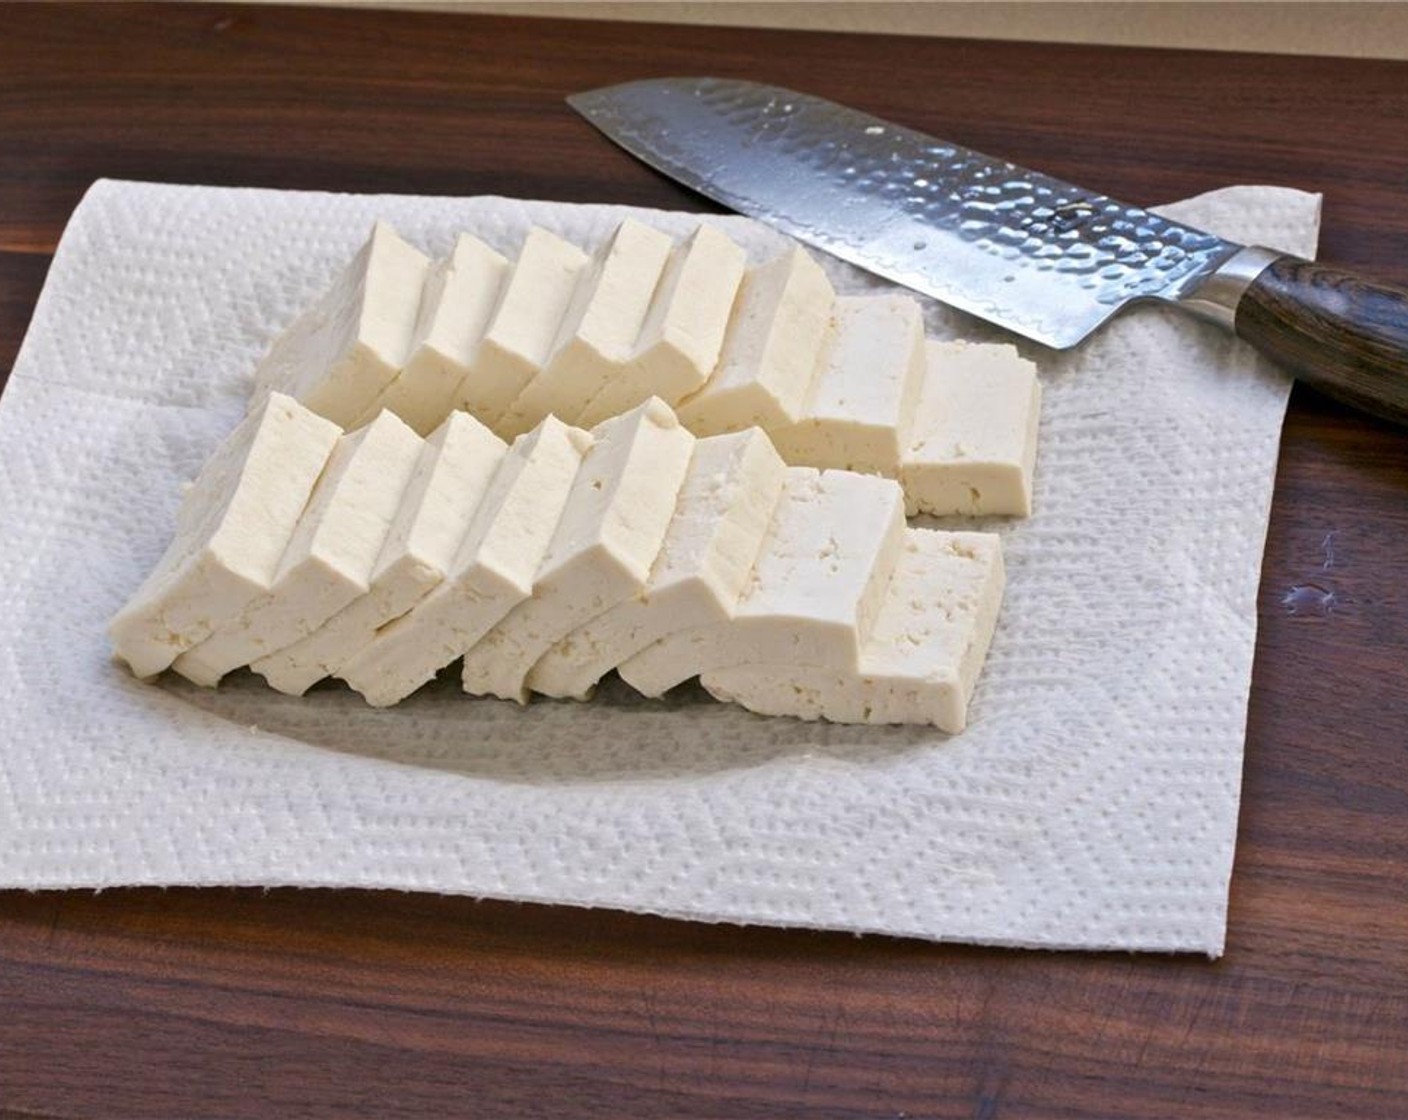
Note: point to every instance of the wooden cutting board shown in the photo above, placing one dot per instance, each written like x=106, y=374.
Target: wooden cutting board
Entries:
x=228, y=1003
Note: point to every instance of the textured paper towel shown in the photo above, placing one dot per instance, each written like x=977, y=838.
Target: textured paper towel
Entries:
x=1093, y=801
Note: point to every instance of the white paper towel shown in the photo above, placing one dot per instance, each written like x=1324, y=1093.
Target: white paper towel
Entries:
x=1092, y=803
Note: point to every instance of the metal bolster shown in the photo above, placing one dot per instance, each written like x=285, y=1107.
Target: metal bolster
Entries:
x=1216, y=298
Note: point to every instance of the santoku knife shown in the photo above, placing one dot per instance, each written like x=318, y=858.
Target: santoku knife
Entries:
x=1041, y=257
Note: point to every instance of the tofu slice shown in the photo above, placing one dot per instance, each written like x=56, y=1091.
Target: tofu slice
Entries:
x=814, y=593
x=524, y=326
x=862, y=403
x=918, y=665
x=599, y=331
x=973, y=447
x=337, y=357
x=492, y=571
x=684, y=329
x=617, y=514
x=771, y=352
x=329, y=560
x=726, y=503
x=451, y=478
x=233, y=526
x=461, y=293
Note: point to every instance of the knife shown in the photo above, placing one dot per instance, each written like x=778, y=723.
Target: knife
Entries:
x=1041, y=257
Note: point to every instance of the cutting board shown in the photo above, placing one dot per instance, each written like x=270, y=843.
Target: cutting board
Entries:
x=238, y=1003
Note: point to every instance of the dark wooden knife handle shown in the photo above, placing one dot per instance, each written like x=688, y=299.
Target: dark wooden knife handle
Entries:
x=1345, y=335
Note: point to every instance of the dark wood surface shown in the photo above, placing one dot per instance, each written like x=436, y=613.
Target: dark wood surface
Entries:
x=226, y=1003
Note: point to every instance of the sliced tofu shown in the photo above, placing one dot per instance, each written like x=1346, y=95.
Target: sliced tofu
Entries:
x=862, y=402
x=524, y=325
x=461, y=293
x=492, y=571
x=684, y=329
x=599, y=331
x=617, y=514
x=922, y=659
x=973, y=447
x=234, y=524
x=725, y=505
x=451, y=478
x=329, y=560
x=338, y=357
x=771, y=351
x=814, y=593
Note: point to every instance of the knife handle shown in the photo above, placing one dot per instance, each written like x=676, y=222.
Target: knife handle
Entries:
x=1344, y=334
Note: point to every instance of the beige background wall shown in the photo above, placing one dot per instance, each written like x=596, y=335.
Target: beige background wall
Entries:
x=1368, y=30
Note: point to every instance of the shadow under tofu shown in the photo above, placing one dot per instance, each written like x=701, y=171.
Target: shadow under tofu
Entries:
x=618, y=736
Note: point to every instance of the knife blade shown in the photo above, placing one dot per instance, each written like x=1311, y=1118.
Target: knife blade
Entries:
x=1042, y=257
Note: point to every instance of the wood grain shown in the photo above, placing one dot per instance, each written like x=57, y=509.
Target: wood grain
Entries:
x=21, y=277
x=240, y=1003
x=1344, y=334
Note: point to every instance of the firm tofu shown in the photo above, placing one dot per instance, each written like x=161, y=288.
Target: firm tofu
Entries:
x=973, y=447
x=491, y=574
x=598, y=334
x=233, y=526
x=520, y=335
x=919, y=664
x=862, y=402
x=611, y=531
x=451, y=478
x=725, y=505
x=771, y=351
x=329, y=560
x=338, y=357
x=461, y=293
x=684, y=329
x=815, y=591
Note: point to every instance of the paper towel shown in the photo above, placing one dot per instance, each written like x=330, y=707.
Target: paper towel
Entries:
x=1091, y=803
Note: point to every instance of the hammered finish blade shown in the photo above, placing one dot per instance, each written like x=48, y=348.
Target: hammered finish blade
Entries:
x=1038, y=256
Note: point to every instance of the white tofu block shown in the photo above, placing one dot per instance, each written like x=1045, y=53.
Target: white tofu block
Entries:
x=524, y=325
x=862, y=402
x=918, y=665
x=599, y=331
x=683, y=334
x=620, y=507
x=451, y=479
x=329, y=560
x=491, y=574
x=771, y=351
x=461, y=293
x=232, y=528
x=338, y=356
x=973, y=446
x=814, y=593
x=725, y=505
